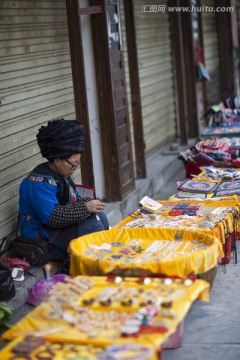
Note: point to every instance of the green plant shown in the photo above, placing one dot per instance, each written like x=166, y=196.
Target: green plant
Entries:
x=5, y=316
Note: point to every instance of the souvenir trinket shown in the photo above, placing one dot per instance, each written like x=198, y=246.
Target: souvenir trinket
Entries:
x=117, y=244
x=129, y=351
x=198, y=186
x=188, y=282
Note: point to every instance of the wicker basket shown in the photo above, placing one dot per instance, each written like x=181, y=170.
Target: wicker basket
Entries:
x=209, y=275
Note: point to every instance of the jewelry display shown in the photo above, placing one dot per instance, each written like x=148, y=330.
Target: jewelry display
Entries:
x=128, y=351
x=155, y=311
x=158, y=250
x=154, y=298
x=206, y=218
x=35, y=348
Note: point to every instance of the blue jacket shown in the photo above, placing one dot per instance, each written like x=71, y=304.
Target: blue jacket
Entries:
x=40, y=192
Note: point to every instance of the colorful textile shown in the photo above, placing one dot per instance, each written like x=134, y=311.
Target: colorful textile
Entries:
x=215, y=148
x=211, y=173
x=212, y=145
x=189, y=195
x=196, y=186
x=221, y=131
x=230, y=185
x=172, y=208
x=227, y=193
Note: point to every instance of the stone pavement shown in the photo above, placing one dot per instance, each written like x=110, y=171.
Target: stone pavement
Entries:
x=212, y=330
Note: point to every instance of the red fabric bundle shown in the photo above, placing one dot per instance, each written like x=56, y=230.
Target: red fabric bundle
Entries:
x=16, y=262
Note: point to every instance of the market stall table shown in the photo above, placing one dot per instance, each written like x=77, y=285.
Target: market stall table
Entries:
x=211, y=188
x=133, y=252
x=222, y=193
x=218, y=152
x=217, y=217
x=101, y=311
x=221, y=131
x=194, y=168
x=37, y=348
x=211, y=173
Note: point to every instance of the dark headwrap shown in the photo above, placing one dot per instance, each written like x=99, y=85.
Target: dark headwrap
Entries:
x=61, y=139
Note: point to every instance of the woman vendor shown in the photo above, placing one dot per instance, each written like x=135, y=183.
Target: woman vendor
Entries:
x=49, y=205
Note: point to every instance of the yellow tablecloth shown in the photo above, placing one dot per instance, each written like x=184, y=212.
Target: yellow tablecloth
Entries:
x=56, y=351
x=220, y=231
x=69, y=321
x=231, y=201
x=111, y=252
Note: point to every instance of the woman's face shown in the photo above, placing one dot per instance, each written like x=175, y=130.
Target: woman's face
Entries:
x=66, y=167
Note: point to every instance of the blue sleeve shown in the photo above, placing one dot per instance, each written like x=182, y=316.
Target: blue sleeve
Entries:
x=38, y=199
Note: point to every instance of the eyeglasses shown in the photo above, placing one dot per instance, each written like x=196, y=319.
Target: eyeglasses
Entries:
x=74, y=166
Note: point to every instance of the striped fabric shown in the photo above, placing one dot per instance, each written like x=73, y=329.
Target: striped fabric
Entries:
x=211, y=146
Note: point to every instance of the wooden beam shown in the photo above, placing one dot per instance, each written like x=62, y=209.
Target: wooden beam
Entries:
x=135, y=90
x=90, y=10
x=190, y=73
x=234, y=22
x=179, y=79
x=201, y=43
x=79, y=87
x=227, y=61
x=112, y=100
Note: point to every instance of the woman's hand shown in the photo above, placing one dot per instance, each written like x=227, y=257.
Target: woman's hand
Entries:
x=95, y=206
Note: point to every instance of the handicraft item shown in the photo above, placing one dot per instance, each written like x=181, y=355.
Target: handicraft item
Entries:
x=227, y=193
x=195, y=186
x=196, y=221
x=212, y=145
x=36, y=348
x=232, y=185
x=101, y=316
x=150, y=204
x=221, y=131
x=173, y=208
x=135, y=253
x=221, y=174
x=189, y=195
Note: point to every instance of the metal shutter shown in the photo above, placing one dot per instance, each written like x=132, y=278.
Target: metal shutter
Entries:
x=211, y=52
x=156, y=74
x=35, y=85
